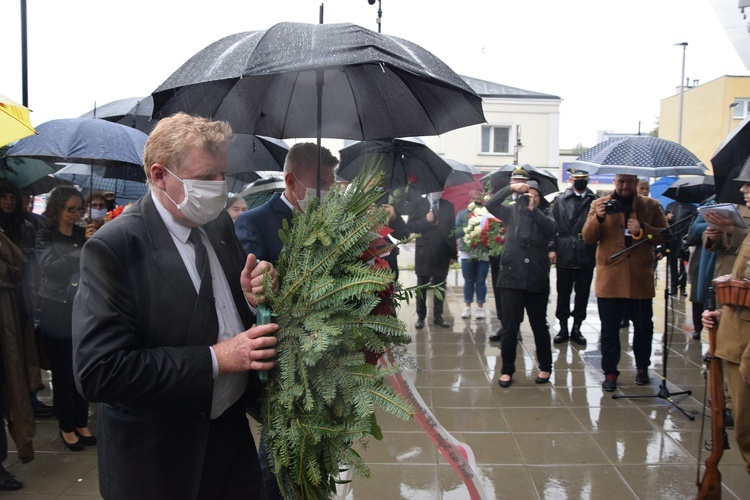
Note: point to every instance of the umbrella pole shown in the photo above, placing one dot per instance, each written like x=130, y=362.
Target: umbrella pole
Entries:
x=319, y=85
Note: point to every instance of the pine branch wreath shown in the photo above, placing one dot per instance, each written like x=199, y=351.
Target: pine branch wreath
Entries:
x=321, y=399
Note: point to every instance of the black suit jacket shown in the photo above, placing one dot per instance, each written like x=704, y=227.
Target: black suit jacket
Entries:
x=258, y=229
x=436, y=245
x=136, y=350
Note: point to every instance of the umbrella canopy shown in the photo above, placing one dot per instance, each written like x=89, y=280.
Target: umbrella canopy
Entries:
x=14, y=121
x=407, y=162
x=258, y=192
x=251, y=153
x=728, y=161
x=321, y=80
x=641, y=155
x=501, y=178
x=83, y=140
x=134, y=112
x=691, y=189
x=659, y=187
x=105, y=179
x=458, y=194
x=23, y=172
x=462, y=173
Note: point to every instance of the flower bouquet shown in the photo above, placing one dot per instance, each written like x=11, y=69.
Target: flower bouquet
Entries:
x=484, y=234
x=333, y=308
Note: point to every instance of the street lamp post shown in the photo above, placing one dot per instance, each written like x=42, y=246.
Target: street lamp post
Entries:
x=682, y=92
x=380, y=12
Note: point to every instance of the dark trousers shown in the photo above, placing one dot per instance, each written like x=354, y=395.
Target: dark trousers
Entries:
x=677, y=274
x=71, y=410
x=514, y=302
x=437, y=304
x=230, y=467
x=569, y=280
x=697, y=309
x=640, y=312
x=495, y=271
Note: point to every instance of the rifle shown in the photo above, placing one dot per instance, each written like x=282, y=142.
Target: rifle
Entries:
x=710, y=487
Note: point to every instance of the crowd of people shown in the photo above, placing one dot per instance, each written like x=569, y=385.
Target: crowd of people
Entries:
x=87, y=299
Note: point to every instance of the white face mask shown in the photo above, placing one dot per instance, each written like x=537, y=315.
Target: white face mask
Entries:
x=204, y=200
x=310, y=193
x=98, y=213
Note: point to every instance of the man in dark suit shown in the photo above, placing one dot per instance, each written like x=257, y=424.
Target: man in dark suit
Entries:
x=258, y=229
x=433, y=218
x=161, y=336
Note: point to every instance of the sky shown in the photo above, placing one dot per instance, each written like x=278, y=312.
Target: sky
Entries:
x=610, y=62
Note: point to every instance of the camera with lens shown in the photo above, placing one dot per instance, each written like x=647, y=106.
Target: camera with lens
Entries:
x=523, y=201
x=612, y=207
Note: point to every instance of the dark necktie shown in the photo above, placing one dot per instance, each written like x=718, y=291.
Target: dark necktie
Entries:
x=435, y=208
x=205, y=304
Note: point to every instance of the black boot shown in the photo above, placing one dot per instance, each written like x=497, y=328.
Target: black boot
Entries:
x=576, y=335
x=563, y=335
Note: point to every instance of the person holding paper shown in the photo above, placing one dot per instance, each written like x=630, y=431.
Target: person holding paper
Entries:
x=733, y=341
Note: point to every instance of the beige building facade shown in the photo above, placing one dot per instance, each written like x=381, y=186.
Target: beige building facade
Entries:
x=710, y=112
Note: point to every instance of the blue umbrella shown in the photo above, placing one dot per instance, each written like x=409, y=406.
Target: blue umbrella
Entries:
x=641, y=155
x=658, y=188
x=83, y=140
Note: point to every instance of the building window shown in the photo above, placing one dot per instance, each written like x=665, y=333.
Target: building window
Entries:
x=495, y=139
x=742, y=109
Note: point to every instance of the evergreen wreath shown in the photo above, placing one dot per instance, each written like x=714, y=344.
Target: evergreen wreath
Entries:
x=320, y=401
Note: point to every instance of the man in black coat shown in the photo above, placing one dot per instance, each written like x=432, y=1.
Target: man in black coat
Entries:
x=433, y=218
x=575, y=261
x=162, y=329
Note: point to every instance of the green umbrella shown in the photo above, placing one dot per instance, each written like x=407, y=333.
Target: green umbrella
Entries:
x=23, y=172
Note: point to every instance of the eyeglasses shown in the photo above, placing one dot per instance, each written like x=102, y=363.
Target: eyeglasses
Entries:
x=98, y=205
x=72, y=210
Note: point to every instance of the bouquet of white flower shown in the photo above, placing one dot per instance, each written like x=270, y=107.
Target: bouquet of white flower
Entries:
x=484, y=234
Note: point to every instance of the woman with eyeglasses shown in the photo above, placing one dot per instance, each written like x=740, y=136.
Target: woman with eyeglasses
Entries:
x=96, y=205
x=59, y=248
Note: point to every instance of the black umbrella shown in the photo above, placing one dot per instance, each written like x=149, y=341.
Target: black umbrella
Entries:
x=728, y=161
x=134, y=112
x=462, y=173
x=249, y=154
x=406, y=161
x=321, y=80
x=691, y=190
x=641, y=155
x=120, y=180
x=501, y=178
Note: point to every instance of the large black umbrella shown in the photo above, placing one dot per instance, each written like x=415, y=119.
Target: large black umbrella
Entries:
x=462, y=173
x=298, y=80
x=691, y=189
x=249, y=154
x=641, y=155
x=134, y=112
x=406, y=161
x=501, y=178
x=728, y=161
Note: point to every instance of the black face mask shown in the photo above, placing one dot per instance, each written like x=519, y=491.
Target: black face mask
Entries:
x=478, y=203
x=580, y=184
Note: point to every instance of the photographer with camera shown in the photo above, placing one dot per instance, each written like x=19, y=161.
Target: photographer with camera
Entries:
x=626, y=283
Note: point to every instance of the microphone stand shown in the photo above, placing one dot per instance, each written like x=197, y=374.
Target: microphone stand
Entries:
x=663, y=392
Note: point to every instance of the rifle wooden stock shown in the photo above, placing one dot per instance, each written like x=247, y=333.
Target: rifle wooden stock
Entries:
x=709, y=488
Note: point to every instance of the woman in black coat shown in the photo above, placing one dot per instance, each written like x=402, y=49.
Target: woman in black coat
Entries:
x=59, y=249
x=524, y=274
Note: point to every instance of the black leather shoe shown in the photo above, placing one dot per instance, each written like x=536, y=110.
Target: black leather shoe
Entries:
x=696, y=335
x=541, y=380
x=77, y=446
x=439, y=321
x=577, y=337
x=86, y=440
x=560, y=338
x=9, y=482
x=497, y=337
x=419, y=324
